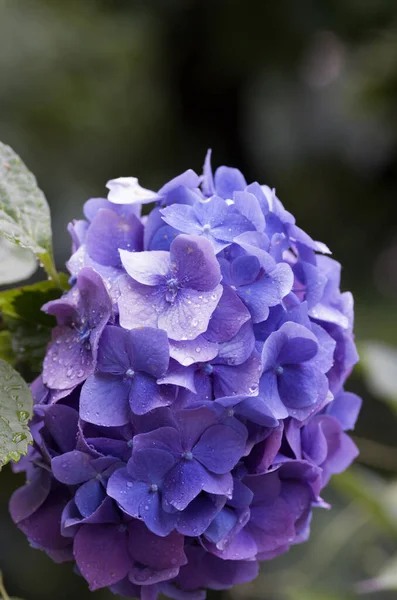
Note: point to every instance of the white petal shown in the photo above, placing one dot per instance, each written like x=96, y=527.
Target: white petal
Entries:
x=126, y=190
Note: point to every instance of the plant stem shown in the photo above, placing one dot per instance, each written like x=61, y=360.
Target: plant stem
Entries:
x=3, y=592
x=47, y=262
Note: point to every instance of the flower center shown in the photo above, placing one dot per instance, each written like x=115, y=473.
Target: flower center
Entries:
x=206, y=228
x=208, y=369
x=172, y=289
x=130, y=373
x=188, y=455
x=83, y=331
x=279, y=370
x=154, y=488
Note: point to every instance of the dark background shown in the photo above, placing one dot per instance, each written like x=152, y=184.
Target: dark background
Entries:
x=300, y=95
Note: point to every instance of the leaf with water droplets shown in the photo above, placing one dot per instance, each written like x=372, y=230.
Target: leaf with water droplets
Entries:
x=16, y=263
x=16, y=406
x=29, y=329
x=24, y=212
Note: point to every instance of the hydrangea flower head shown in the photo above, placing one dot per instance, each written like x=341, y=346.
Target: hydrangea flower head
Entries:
x=192, y=406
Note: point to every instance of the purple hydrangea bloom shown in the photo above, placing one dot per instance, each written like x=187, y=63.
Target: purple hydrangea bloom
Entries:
x=192, y=405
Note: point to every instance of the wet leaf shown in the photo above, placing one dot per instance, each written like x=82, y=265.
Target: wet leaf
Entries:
x=16, y=406
x=16, y=263
x=24, y=211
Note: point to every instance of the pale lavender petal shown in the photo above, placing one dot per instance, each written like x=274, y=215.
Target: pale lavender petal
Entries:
x=182, y=218
x=192, y=351
x=139, y=305
x=189, y=315
x=148, y=268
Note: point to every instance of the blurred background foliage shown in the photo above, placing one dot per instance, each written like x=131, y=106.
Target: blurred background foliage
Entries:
x=299, y=95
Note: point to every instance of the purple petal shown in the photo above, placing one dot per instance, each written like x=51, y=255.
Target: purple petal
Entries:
x=345, y=408
x=268, y=391
x=192, y=423
x=95, y=299
x=179, y=375
x=61, y=422
x=195, y=262
x=229, y=315
x=228, y=181
x=148, y=268
x=196, y=518
x=300, y=346
x=237, y=380
x=182, y=218
x=113, y=354
x=73, y=467
x=272, y=348
x=301, y=386
x=267, y=291
x=98, y=566
x=188, y=179
x=108, y=233
x=248, y=205
x=244, y=270
x=156, y=552
x=129, y=494
x=149, y=351
x=43, y=527
x=239, y=348
x=164, y=438
x=89, y=496
x=156, y=519
x=68, y=362
x=220, y=448
x=150, y=465
x=255, y=410
x=104, y=400
x=145, y=395
x=183, y=483
x=28, y=498
x=192, y=351
x=189, y=315
x=208, y=180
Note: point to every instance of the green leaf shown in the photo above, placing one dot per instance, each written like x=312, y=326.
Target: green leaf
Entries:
x=6, y=351
x=29, y=328
x=379, y=363
x=16, y=406
x=16, y=263
x=24, y=211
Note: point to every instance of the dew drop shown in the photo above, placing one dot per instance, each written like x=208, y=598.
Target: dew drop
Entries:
x=22, y=415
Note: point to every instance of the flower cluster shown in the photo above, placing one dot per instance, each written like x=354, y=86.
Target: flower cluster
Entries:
x=191, y=406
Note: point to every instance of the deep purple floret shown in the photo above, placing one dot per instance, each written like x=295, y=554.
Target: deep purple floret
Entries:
x=82, y=315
